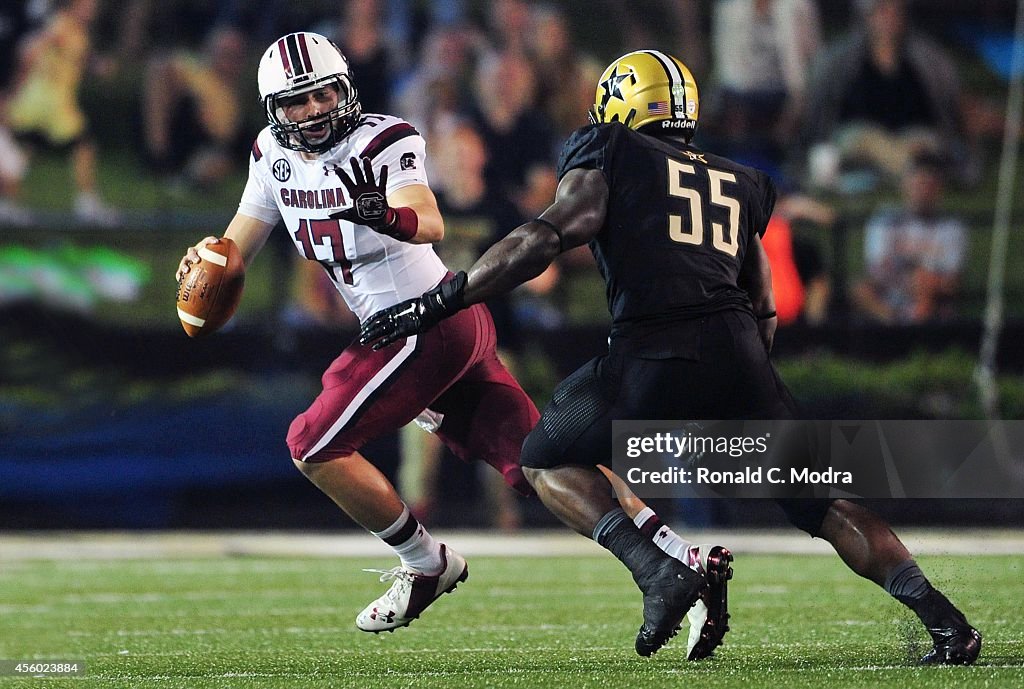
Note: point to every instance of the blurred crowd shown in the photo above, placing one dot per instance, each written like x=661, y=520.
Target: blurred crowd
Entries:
x=842, y=101
x=856, y=108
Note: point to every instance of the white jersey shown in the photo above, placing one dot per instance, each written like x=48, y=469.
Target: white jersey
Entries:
x=371, y=270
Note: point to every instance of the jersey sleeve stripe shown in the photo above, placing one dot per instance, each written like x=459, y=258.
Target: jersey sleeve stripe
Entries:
x=257, y=154
x=388, y=137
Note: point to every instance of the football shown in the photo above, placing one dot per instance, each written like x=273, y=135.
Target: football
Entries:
x=210, y=291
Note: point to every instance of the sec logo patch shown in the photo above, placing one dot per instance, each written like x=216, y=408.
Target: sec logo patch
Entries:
x=282, y=170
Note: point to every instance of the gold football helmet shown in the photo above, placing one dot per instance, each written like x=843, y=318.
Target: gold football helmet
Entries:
x=649, y=91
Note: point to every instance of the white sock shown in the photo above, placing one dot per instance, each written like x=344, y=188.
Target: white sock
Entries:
x=673, y=544
x=642, y=516
x=413, y=544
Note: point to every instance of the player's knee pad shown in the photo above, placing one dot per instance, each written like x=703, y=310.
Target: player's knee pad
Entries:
x=806, y=514
x=538, y=451
x=302, y=444
x=575, y=405
x=298, y=445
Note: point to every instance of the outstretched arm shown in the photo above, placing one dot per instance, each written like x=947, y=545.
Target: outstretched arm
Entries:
x=575, y=217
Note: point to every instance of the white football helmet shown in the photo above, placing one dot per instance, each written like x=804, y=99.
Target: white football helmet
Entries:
x=299, y=63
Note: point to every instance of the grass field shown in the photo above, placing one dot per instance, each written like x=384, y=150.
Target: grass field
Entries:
x=565, y=622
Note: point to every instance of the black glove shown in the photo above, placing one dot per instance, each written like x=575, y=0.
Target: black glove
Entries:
x=414, y=316
x=369, y=200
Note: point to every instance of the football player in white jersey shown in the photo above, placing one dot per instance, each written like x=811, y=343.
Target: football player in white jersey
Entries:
x=352, y=192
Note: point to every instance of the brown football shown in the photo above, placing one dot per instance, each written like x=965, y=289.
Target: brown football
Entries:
x=209, y=292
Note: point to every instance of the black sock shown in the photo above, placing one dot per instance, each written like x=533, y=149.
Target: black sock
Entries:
x=617, y=532
x=908, y=584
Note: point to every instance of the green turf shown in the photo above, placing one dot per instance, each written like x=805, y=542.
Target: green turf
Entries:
x=798, y=621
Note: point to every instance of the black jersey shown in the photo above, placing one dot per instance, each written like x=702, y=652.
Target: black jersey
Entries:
x=678, y=224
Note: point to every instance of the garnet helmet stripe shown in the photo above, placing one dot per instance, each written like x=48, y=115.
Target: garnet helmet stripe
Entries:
x=284, y=58
x=304, y=51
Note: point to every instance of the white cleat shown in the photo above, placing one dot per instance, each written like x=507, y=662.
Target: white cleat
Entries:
x=709, y=616
x=411, y=593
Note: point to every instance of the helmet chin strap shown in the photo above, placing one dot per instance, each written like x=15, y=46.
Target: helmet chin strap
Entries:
x=340, y=121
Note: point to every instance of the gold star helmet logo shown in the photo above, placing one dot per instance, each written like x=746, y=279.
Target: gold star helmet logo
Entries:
x=613, y=84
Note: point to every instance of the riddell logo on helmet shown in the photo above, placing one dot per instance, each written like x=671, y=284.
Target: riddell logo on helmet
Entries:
x=678, y=124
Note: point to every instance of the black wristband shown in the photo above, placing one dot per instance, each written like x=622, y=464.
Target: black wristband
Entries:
x=766, y=316
x=556, y=230
x=453, y=292
x=445, y=299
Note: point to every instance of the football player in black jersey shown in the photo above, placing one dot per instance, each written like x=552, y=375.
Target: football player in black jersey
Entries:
x=676, y=232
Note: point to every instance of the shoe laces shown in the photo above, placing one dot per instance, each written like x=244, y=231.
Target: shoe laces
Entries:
x=401, y=579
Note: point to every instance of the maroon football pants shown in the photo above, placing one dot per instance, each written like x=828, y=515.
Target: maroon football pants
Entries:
x=452, y=369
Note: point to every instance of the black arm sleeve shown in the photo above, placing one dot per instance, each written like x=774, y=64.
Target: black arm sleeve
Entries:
x=588, y=148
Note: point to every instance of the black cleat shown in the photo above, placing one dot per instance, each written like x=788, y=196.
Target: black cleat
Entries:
x=709, y=616
x=669, y=592
x=954, y=645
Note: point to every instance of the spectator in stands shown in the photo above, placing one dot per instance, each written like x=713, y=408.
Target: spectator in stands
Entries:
x=360, y=34
x=192, y=117
x=566, y=99
x=475, y=214
x=441, y=86
x=509, y=25
x=762, y=53
x=262, y=20
x=14, y=22
x=914, y=254
x=800, y=277
x=13, y=164
x=43, y=109
x=410, y=22
x=881, y=95
x=652, y=22
x=518, y=136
